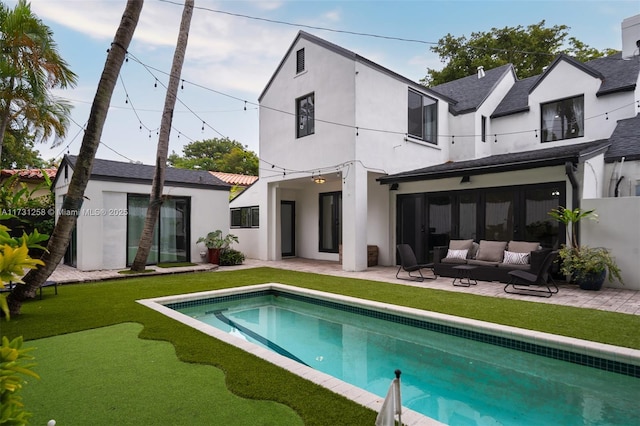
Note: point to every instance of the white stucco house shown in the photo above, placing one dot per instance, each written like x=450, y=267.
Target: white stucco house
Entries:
x=110, y=222
x=353, y=155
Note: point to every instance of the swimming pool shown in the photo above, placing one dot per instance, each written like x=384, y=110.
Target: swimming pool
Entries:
x=455, y=370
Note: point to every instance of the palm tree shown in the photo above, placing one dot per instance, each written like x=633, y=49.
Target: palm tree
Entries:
x=155, y=200
x=73, y=200
x=30, y=66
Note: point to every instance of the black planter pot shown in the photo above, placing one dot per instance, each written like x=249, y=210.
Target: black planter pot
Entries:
x=592, y=281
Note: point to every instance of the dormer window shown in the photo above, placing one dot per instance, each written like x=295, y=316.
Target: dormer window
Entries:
x=562, y=119
x=299, y=61
x=422, y=117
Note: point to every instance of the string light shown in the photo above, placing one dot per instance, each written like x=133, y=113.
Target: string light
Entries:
x=319, y=120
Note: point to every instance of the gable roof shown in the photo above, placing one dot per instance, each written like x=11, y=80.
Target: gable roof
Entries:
x=566, y=58
x=116, y=171
x=616, y=75
x=470, y=92
x=625, y=141
x=349, y=55
x=499, y=163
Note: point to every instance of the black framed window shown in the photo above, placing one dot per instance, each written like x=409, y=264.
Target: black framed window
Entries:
x=299, y=61
x=563, y=119
x=245, y=217
x=484, y=128
x=305, y=113
x=422, y=117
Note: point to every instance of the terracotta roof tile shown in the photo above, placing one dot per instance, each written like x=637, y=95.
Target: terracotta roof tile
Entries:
x=235, y=179
x=29, y=173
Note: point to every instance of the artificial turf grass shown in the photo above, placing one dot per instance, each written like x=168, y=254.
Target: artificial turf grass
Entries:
x=86, y=306
x=124, y=380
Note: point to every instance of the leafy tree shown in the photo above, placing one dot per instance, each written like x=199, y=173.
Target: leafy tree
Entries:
x=219, y=155
x=529, y=49
x=155, y=199
x=30, y=66
x=18, y=151
x=75, y=193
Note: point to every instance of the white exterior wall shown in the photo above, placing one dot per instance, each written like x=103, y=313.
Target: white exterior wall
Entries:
x=102, y=223
x=594, y=181
x=360, y=124
x=618, y=230
x=487, y=148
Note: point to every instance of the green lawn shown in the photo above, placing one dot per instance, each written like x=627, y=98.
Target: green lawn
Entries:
x=92, y=306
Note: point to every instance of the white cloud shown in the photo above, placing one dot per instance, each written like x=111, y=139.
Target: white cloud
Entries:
x=333, y=15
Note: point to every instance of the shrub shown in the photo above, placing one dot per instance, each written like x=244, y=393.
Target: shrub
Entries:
x=12, y=357
x=230, y=257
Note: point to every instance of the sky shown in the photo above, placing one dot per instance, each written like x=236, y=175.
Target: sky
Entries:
x=235, y=46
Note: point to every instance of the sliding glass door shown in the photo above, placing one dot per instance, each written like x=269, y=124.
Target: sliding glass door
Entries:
x=171, y=232
x=505, y=213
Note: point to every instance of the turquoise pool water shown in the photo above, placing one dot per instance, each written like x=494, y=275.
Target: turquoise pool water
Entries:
x=454, y=377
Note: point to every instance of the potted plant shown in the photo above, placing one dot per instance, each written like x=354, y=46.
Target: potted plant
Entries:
x=587, y=266
x=215, y=241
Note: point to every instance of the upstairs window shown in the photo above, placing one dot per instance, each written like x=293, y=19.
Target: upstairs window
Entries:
x=305, y=111
x=484, y=128
x=422, y=117
x=299, y=61
x=562, y=119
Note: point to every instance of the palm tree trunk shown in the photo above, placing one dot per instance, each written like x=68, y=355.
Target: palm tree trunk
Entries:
x=73, y=201
x=155, y=199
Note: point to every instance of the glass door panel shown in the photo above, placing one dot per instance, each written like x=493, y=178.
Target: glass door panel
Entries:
x=440, y=209
x=499, y=215
x=539, y=226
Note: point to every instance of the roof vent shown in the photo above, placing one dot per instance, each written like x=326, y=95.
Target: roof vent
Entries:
x=480, y=71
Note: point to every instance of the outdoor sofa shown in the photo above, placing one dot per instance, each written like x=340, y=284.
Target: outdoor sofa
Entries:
x=492, y=260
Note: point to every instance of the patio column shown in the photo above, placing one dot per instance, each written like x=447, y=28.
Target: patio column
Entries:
x=354, y=218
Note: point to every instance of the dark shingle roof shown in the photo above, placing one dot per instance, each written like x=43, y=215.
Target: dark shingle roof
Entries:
x=555, y=156
x=517, y=99
x=116, y=171
x=616, y=75
x=470, y=92
x=625, y=141
x=619, y=74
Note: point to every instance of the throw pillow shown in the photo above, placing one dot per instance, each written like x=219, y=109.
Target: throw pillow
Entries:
x=514, y=258
x=491, y=251
x=460, y=244
x=457, y=254
x=522, y=246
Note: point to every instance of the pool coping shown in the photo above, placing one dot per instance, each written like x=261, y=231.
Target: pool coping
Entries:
x=359, y=395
